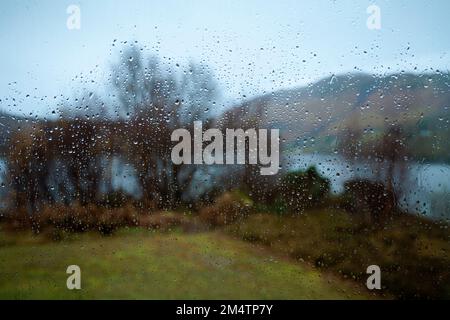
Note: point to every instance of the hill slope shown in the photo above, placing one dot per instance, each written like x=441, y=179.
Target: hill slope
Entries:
x=314, y=116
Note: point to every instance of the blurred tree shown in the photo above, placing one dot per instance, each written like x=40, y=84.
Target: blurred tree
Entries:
x=392, y=164
x=72, y=158
x=158, y=101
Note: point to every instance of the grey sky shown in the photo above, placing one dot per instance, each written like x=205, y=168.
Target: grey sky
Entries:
x=253, y=47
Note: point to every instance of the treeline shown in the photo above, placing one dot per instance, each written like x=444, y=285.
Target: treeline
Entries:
x=70, y=160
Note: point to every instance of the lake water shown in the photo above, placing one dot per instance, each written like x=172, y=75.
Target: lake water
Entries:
x=426, y=190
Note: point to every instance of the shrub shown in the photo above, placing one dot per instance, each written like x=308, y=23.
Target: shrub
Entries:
x=228, y=208
x=370, y=200
x=75, y=218
x=304, y=189
x=57, y=220
x=164, y=220
x=115, y=199
x=278, y=206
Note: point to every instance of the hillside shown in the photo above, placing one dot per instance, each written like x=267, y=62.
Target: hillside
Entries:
x=313, y=117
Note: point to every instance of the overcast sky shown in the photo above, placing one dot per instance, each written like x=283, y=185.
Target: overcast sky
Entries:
x=253, y=47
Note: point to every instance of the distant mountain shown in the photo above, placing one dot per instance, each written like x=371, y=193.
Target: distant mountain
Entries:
x=313, y=117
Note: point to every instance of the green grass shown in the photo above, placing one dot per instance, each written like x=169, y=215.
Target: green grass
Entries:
x=412, y=252
x=138, y=264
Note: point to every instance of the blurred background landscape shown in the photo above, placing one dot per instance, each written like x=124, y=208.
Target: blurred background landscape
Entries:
x=85, y=151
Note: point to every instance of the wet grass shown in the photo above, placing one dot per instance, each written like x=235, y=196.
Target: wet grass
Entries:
x=139, y=264
x=412, y=252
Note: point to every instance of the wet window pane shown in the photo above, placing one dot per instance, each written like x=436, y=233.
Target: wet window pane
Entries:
x=224, y=150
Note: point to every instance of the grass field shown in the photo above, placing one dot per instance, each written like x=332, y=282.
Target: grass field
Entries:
x=138, y=264
x=412, y=252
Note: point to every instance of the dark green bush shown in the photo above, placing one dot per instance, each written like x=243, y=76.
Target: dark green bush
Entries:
x=301, y=190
